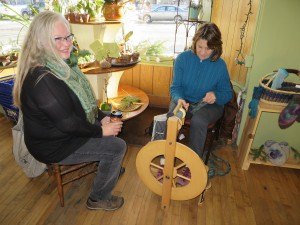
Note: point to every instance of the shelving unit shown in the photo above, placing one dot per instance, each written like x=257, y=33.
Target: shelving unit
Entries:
x=249, y=133
x=188, y=24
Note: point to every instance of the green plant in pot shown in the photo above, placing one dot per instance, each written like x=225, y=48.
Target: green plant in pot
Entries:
x=90, y=8
x=150, y=49
x=195, y=9
x=72, y=12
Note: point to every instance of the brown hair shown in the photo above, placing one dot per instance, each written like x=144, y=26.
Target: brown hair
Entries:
x=211, y=33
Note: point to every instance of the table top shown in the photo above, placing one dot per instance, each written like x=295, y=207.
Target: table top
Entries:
x=94, y=68
x=125, y=90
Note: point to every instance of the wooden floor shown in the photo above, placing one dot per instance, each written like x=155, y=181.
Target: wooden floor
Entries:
x=262, y=195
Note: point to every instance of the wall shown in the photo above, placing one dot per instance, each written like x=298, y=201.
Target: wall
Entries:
x=230, y=17
x=154, y=80
x=276, y=45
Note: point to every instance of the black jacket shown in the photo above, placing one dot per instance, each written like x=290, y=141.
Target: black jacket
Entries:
x=55, y=123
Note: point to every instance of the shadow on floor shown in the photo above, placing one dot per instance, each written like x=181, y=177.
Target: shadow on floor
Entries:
x=133, y=131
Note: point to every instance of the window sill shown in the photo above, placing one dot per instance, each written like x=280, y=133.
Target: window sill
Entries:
x=157, y=60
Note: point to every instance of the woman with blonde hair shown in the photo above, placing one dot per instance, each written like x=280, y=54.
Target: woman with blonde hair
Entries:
x=62, y=123
x=201, y=83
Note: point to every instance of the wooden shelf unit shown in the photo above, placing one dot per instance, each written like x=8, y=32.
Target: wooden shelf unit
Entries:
x=248, y=135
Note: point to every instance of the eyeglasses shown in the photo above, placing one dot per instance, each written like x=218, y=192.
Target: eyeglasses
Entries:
x=67, y=38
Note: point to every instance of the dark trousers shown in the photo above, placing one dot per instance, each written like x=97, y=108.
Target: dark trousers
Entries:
x=109, y=152
x=200, y=120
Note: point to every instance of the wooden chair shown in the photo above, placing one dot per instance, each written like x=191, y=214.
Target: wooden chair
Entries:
x=75, y=172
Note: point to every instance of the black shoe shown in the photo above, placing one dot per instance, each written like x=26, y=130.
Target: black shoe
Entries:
x=113, y=203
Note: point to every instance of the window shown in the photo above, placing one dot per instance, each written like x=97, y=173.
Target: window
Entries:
x=154, y=25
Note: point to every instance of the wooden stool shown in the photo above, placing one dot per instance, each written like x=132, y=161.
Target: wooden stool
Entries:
x=58, y=171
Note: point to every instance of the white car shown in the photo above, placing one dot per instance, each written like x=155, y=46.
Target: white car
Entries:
x=163, y=13
x=4, y=9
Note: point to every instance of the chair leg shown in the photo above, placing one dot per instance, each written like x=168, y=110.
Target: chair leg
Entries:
x=49, y=170
x=59, y=184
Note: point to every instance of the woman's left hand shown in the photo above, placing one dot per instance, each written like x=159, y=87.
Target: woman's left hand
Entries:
x=105, y=120
x=210, y=97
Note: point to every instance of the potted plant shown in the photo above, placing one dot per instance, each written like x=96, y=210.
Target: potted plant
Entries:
x=113, y=9
x=89, y=9
x=150, y=50
x=71, y=13
x=194, y=9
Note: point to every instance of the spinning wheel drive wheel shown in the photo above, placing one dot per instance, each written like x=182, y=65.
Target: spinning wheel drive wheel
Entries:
x=189, y=173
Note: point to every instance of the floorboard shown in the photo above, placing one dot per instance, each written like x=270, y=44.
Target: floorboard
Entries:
x=263, y=195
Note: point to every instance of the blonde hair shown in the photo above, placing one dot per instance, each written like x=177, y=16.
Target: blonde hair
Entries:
x=38, y=47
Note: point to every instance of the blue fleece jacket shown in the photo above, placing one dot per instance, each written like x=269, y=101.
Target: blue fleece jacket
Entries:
x=193, y=78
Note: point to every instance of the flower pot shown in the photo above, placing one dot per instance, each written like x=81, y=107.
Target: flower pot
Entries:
x=194, y=13
x=72, y=17
x=106, y=107
x=67, y=16
x=85, y=18
x=77, y=18
x=112, y=11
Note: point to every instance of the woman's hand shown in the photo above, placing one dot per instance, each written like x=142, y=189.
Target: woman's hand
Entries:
x=105, y=120
x=109, y=129
x=210, y=97
x=184, y=103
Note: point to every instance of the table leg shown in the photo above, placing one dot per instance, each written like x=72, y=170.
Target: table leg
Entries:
x=98, y=81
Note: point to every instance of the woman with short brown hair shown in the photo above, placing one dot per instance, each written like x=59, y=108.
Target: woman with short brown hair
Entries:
x=201, y=83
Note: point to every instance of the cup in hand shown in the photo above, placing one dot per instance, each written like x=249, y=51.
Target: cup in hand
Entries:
x=115, y=116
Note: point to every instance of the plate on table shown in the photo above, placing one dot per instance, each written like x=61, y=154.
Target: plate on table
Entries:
x=84, y=65
x=121, y=64
x=126, y=108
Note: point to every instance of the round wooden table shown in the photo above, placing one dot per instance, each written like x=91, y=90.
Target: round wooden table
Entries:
x=94, y=68
x=125, y=90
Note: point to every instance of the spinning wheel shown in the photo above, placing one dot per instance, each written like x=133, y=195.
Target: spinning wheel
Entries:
x=183, y=186
x=183, y=174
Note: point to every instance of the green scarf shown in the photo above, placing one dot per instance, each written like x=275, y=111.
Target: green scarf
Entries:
x=80, y=86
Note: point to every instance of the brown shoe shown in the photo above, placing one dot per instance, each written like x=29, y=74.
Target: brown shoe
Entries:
x=111, y=204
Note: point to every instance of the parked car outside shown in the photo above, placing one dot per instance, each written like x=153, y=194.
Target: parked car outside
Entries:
x=163, y=13
x=28, y=12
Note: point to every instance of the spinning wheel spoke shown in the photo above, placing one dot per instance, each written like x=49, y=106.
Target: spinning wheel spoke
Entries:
x=183, y=177
x=156, y=166
x=180, y=165
x=159, y=178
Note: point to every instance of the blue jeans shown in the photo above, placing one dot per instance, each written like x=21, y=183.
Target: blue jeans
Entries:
x=200, y=120
x=109, y=152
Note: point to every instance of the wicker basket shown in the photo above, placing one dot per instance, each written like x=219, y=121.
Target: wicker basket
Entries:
x=276, y=96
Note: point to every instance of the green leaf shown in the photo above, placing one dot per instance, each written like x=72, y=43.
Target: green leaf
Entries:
x=128, y=35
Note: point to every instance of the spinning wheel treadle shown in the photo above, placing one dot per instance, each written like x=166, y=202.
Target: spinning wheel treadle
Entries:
x=147, y=164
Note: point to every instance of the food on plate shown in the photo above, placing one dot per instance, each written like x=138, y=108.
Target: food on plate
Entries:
x=105, y=64
x=128, y=103
x=85, y=57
